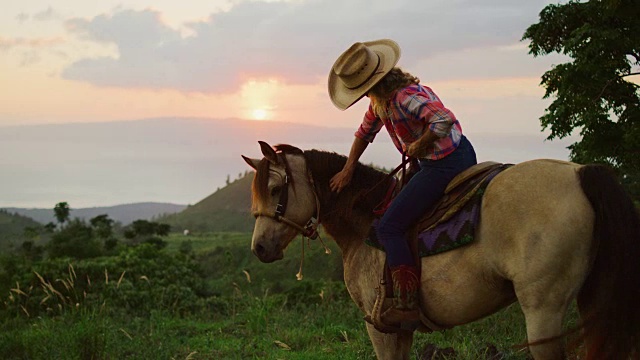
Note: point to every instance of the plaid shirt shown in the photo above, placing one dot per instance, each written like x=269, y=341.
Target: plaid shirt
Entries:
x=409, y=112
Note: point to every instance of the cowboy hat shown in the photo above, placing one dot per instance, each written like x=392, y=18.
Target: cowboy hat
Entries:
x=359, y=69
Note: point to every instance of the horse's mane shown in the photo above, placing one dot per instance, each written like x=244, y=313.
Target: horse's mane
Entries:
x=364, y=191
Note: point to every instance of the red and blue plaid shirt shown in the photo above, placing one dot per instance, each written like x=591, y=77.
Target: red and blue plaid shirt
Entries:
x=409, y=112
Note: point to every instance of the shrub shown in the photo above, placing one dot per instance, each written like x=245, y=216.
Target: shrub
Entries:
x=75, y=240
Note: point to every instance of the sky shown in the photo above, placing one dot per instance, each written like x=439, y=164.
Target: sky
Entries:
x=78, y=61
x=93, y=61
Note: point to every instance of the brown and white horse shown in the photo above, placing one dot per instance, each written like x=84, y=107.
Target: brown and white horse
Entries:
x=550, y=232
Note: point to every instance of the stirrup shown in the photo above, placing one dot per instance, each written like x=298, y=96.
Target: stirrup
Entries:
x=391, y=320
x=377, y=317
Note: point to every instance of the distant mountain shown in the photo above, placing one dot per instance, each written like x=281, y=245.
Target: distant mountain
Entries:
x=227, y=209
x=124, y=214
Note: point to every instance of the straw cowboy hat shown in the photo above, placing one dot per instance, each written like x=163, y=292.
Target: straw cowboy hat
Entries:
x=359, y=68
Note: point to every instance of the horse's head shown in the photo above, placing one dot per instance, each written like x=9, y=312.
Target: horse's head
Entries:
x=284, y=200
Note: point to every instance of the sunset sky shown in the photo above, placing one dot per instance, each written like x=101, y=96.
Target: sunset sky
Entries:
x=78, y=61
x=89, y=61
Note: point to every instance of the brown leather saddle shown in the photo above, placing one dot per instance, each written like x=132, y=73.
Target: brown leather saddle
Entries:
x=457, y=193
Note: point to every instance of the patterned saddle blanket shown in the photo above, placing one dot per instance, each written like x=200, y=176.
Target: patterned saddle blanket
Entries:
x=453, y=220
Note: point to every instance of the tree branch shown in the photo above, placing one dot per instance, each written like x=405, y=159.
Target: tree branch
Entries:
x=610, y=80
x=630, y=74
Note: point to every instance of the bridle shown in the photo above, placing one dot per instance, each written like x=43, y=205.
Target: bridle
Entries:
x=310, y=229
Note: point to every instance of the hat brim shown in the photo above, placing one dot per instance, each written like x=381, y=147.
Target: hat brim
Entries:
x=343, y=97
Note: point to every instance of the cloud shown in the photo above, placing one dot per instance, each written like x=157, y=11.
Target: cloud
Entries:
x=22, y=17
x=47, y=15
x=34, y=43
x=294, y=42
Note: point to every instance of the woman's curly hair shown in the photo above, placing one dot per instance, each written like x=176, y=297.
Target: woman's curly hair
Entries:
x=384, y=89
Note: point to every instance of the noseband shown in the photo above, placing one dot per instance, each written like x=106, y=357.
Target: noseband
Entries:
x=310, y=229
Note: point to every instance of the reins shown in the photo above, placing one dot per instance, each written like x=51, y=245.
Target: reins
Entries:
x=402, y=166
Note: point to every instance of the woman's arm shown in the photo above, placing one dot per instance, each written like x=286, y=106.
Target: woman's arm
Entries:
x=342, y=179
x=428, y=113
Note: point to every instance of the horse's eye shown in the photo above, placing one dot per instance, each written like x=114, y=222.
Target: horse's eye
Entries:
x=276, y=190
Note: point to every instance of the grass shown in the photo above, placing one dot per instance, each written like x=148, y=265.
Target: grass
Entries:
x=264, y=328
x=268, y=329
x=258, y=311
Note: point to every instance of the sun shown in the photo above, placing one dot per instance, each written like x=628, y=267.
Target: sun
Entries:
x=260, y=114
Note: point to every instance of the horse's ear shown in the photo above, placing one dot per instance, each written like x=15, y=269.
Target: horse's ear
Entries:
x=268, y=152
x=252, y=162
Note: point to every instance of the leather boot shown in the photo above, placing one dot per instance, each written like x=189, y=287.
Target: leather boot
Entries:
x=406, y=283
x=404, y=312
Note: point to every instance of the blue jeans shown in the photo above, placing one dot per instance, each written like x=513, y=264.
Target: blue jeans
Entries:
x=422, y=192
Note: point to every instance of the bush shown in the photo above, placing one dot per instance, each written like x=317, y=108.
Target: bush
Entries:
x=75, y=240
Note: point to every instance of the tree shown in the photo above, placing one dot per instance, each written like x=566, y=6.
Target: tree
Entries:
x=31, y=232
x=31, y=251
x=148, y=232
x=162, y=229
x=50, y=227
x=102, y=225
x=592, y=93
x=75, y=240
x=62, y=212
x=144, y=227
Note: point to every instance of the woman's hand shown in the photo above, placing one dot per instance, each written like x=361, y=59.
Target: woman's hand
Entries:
x=417, y=149
x=340, y=180
x=420, y=147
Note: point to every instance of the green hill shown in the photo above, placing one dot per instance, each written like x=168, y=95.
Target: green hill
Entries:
x=12, y=227
x=228, y=209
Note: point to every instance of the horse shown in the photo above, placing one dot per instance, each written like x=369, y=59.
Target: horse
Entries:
x=550, y=232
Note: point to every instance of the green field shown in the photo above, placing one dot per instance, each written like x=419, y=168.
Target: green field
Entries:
x=214, y=302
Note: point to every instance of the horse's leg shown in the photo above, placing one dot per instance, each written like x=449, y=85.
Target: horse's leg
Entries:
x=545, y=289
x=545, y=299
x=545, y=322
x=390, y=346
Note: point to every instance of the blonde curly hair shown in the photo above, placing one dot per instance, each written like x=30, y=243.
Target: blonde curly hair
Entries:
x=384, y=89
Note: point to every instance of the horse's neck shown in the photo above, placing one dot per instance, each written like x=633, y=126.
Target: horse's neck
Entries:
x=347, y=219
x=348, y=232
x=346, y=216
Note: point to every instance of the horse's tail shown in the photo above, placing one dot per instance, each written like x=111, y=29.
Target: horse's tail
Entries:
x=609, y=300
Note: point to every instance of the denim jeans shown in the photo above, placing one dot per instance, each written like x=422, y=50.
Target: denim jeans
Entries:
x=421, y=193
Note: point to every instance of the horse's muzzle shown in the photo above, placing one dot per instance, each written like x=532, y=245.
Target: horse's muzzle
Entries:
x=267, y=254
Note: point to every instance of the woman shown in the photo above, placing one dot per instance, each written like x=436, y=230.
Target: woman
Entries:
x=419, y=126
